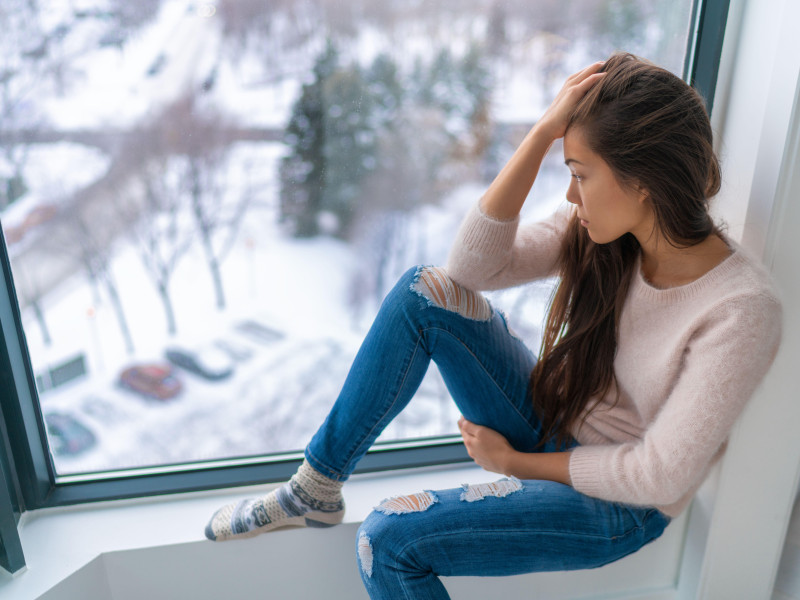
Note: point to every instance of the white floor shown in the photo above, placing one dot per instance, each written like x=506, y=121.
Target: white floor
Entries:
x=787, y=582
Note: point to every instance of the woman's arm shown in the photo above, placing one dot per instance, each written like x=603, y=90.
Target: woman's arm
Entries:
x=506, y=195
x=490, y=450
x=489, y=251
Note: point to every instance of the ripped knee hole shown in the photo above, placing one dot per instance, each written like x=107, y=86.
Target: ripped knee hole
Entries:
x=436, y=286
x=365, y=554
x=498, y=489
x=398, y=505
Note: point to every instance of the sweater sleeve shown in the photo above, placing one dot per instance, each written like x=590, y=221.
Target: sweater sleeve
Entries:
x=490, y=254
x=727, y=357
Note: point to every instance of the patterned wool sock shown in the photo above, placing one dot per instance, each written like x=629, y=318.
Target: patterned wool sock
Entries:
x=308, y=499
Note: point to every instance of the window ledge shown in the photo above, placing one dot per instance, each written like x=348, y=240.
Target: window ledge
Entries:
x=122, y=546
x=59, y=541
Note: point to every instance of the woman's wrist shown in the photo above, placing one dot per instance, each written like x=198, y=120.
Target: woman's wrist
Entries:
x=546, y=131
x=511, y=464
x=552, y=466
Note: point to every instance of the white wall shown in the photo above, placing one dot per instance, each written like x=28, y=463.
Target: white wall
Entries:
x=304, y=564
x=759, y=128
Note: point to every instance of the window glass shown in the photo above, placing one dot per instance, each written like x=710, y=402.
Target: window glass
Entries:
x=205, y=202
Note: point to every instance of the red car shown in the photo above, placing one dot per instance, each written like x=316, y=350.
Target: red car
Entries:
x=152, y=380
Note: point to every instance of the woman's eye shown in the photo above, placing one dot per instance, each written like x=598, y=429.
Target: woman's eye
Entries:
x=577, y=177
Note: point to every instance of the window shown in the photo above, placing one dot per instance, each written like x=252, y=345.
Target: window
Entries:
x=204, y=202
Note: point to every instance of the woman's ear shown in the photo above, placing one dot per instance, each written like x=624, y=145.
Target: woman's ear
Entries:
x=643, y=194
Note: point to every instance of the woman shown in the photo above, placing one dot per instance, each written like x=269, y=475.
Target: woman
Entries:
x=658, y=333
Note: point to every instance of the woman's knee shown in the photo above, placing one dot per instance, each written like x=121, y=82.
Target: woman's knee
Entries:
x=436, y=286
x=375, y=534
x=389, y=529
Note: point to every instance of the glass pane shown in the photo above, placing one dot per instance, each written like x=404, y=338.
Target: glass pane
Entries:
x=205, y=202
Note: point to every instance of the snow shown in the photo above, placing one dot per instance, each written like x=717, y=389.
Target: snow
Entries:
x=53, y=172
x=301, y=289
x=276, y=398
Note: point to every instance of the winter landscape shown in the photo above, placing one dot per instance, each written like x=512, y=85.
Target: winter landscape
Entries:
x=205, y=202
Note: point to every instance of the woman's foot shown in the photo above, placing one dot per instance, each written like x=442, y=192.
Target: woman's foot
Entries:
x=308, y=499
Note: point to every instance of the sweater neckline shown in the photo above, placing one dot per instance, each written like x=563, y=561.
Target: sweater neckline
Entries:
x=646, y=289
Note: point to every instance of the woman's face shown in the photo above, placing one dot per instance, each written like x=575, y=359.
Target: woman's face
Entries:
x=606, y=209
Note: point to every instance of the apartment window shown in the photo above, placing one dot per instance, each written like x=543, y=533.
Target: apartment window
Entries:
x=203, y=204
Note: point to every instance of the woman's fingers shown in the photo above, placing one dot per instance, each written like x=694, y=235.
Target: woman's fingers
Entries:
x=588, y=82
x=575, y=87
x=580, y=82
x=467, y=426
x=586, y=72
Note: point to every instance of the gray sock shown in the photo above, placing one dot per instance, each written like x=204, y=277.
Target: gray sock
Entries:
x=307, y=499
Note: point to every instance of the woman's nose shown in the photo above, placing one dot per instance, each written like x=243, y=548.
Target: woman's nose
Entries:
x=572, y=193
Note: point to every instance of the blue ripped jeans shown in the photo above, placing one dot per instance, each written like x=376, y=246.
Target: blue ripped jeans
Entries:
x=503, y=528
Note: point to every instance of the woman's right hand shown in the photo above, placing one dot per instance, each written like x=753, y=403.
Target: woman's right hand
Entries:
x=505, y=197
x=555, y=118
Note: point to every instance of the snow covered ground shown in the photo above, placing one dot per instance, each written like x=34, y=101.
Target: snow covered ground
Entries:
x=277, y=396
x=303, y=289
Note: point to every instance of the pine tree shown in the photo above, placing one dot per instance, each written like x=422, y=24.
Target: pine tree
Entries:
x=383, y=81
x=333, y=147
x=302, y=172
x=350, y=145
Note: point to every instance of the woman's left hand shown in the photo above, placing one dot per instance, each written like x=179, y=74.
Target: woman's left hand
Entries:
x=488, y=448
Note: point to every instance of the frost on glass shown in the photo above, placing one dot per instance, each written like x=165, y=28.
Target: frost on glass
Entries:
x=205, y=202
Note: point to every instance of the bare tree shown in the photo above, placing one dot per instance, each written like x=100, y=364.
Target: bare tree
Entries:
x=216, y=221
x=24, y=70
x=181, y=197
x=198, y=145
x=91, y=251
x=158, y=228
x=31, y=293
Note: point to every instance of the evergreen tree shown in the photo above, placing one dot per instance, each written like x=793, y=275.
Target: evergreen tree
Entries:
x=302, y=172
x=476, y=79
x=366, y=141
x=350, y=145
x=385, y=88
x=619, y=23
x=332, y=139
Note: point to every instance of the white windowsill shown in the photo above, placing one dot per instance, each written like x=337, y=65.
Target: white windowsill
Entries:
x=150, y=540
x=57, y=542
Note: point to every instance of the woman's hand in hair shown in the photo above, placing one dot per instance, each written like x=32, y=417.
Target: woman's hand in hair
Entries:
x=488, y=448
x=554, y=120
x=505, y=197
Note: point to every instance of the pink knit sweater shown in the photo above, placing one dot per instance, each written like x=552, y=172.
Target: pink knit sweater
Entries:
x=688, y=359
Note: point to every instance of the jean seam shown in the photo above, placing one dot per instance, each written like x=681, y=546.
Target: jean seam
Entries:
x=631, y=530
x=355, y=451
x=485, y=370
x=498, y=532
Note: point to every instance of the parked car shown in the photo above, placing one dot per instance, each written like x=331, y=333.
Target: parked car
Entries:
x=258, y=331
x=67, y=435
x=155, y=380
x=238, y=351
x=207, y=362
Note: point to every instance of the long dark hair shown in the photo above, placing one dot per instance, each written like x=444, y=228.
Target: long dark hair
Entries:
x=653, y=131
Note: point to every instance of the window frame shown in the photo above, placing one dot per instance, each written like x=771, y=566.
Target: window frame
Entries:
x=29, y=481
